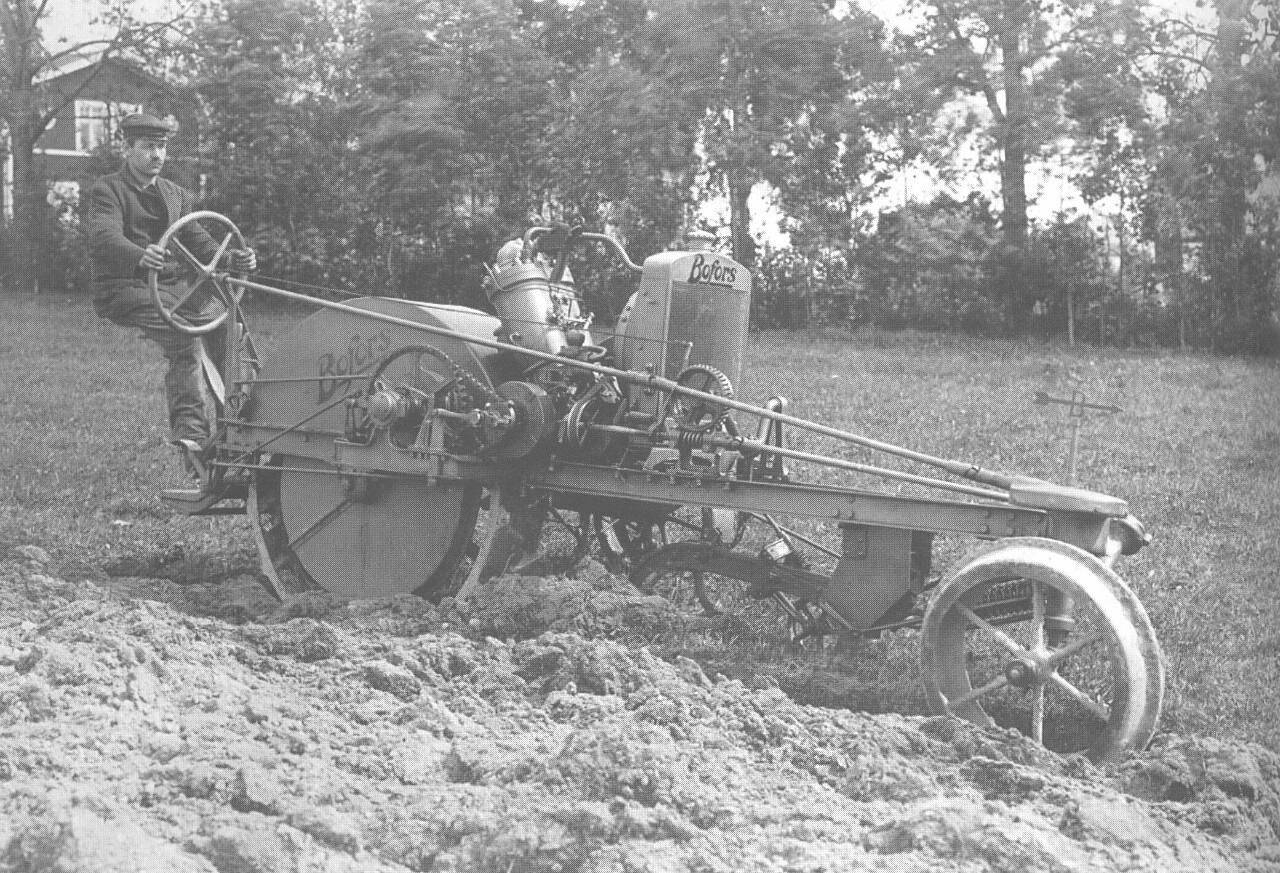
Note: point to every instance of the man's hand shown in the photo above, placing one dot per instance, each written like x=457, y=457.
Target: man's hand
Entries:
x=244, y=260
x=152, y=258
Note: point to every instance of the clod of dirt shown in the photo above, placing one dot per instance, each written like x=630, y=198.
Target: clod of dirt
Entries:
x=527, y=729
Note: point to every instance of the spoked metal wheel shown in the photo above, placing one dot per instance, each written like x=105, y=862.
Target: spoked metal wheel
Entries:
x=688, y=585
x=1043, y=637
x=625, y=541
x=669, y=568
x=359, y=536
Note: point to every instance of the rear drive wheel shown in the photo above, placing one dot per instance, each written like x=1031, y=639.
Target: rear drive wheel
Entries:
x=359, y=536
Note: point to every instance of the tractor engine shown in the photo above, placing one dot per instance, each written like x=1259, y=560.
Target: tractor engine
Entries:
x=687, y=323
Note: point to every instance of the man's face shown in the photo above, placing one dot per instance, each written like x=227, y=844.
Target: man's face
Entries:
x=146, y=155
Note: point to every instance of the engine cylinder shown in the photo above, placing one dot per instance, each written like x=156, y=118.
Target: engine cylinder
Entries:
x=535, y=312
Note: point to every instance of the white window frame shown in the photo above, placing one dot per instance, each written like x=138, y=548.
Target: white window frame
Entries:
x=96, y=122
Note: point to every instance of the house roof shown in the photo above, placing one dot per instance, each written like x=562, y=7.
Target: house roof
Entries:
x=76, y=61
x=72, y=62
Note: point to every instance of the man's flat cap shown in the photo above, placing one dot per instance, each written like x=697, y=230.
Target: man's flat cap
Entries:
x=142, y=124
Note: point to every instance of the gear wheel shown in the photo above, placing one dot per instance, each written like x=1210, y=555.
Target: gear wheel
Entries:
x=694, y=414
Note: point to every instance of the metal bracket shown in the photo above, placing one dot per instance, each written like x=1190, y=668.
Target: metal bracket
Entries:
x=1076, y=406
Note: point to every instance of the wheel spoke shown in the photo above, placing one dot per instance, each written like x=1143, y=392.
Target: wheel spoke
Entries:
x=1099, y=709
x=994, y=632
x=1060, y=655
x=1037, y=714
x=680, y=522
x=994, y=685
x=700, y=594
x=435, y=378
x=320, y=524
x=1037, y=616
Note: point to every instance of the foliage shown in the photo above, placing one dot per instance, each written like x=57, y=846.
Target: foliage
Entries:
x=764, y=89
x=1033, y=68
x=391, y=146
x=271, y=79
x=794, y=289
x=933, y=267
x=1067, y=276
x=31, y=98
x=1219, y=167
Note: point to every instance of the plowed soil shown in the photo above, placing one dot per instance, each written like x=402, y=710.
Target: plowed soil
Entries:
x=151, y=726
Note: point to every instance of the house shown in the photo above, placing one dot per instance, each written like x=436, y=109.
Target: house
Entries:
x=95, y=94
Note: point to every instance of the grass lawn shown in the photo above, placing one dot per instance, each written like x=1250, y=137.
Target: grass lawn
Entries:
x=1196, y=451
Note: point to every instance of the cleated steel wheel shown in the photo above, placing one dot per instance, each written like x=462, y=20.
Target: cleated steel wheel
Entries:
x=690, y=586
x=359, y=536
x=1043, y=637
x=659, y=561
x=623, y=542
x=358, y=532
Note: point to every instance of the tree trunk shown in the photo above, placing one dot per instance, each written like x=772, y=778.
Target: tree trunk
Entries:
x=1013, y=164
x=28, y=204
x=1168, y=253
x=744, y=247
x=1233, y=192
x=20, y=37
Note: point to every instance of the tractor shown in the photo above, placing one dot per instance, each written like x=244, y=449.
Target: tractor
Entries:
x=387, y=446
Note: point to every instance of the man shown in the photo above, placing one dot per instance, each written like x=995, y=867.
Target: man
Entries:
x=129, y=211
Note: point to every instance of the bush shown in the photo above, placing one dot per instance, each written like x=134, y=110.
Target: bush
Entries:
x=62, y=253
x=932, y=266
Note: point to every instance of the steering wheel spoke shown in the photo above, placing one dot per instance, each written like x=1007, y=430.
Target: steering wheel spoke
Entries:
x=184, y=253
x=217, y=258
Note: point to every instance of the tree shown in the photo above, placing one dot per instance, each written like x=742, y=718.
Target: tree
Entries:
x=752, y=84
x=28, y=103
x=1217, y=172
x=1009, y=54
x=610, y=164
x=273, y=80
x=456, y=102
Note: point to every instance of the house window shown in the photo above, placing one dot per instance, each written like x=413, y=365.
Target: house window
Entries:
x=96, y=121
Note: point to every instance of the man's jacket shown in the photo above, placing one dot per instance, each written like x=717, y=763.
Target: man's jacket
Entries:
x=116, y=246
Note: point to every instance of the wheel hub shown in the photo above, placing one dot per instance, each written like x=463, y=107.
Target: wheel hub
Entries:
x=1026, y=673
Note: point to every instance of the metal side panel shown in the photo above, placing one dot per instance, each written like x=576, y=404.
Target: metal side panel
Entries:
x=873, y=574
x=329, y=355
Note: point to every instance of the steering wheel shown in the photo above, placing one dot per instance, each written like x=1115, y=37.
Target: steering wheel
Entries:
x=208, y=278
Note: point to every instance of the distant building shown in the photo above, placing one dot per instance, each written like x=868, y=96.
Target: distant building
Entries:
x=98, y=93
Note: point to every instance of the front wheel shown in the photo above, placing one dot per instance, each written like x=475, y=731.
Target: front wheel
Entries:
x=1043, y=637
